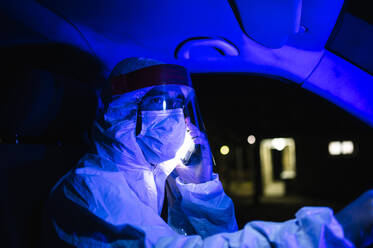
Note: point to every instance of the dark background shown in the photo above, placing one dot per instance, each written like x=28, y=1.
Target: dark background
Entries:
x=270, y=108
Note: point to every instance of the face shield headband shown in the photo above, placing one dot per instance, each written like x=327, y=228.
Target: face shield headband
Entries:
x=146, y=77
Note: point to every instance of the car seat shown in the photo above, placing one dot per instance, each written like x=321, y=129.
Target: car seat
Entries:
x=46, y=112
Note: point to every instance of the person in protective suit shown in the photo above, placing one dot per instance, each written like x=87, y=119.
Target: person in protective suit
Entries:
x=150, y=143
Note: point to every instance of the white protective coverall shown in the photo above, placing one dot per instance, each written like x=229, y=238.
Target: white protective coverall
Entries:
x=114, y=197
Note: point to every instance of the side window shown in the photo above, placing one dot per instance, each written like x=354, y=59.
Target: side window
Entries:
x=276, y=144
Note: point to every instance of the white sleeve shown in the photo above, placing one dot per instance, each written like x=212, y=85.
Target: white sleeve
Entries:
x=91, y=211
x=207, y=207
x=313, y=227
x=211, y=212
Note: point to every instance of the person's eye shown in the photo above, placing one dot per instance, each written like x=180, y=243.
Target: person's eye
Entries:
x=179, y=102
x=156, y=100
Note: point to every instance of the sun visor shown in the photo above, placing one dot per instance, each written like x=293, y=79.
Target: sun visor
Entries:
x=269, y=22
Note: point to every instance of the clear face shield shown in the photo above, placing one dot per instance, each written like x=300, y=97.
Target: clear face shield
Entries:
x=169, y=123
x=168, y=97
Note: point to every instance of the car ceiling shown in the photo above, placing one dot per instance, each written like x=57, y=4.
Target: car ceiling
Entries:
x=286, y=40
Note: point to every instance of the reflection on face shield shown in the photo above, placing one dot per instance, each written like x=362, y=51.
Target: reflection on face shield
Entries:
x=162, y=134
x=162, y=98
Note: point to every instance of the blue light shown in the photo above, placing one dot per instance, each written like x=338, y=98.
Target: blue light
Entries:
x=112, y=31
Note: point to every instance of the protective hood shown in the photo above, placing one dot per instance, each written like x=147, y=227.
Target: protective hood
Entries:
x=114, y=131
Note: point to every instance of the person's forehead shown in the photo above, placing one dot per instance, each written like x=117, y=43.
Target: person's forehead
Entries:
x=173, y=91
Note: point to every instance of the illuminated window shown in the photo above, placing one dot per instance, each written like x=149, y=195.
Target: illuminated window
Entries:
x=337, y=148
x=347, y=147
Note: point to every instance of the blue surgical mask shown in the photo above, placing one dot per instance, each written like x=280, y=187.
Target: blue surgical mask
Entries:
x=162, y=134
